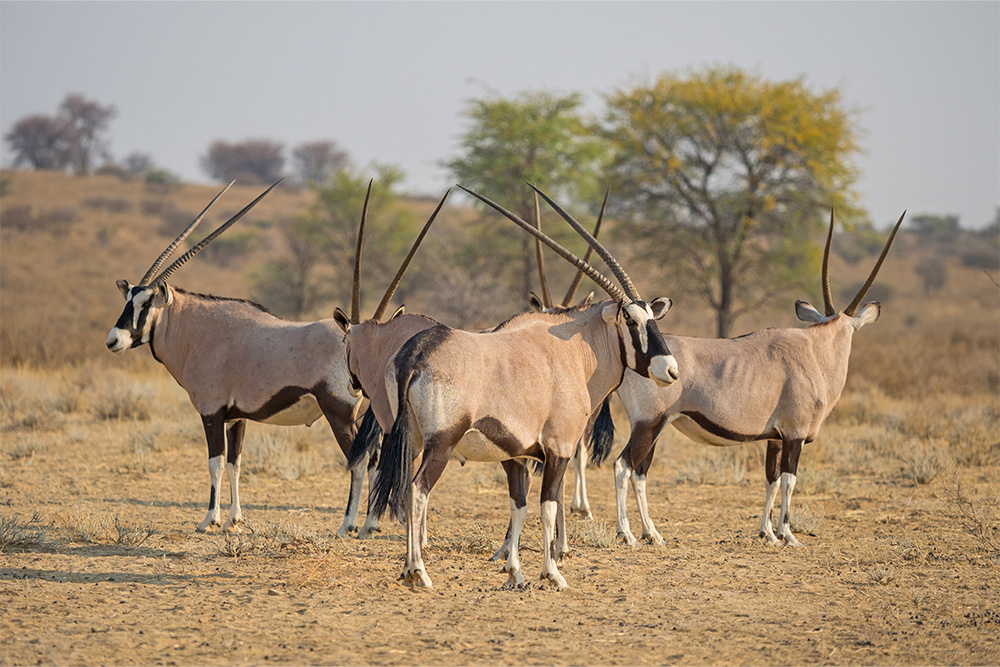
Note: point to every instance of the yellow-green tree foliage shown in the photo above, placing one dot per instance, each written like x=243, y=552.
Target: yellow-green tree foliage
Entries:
x=539, y=137
x=727, y=177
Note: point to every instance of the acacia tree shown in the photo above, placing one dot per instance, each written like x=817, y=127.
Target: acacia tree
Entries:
x=74, y=137
x=317, y=265
x=538, y=137
x=315, y=161
x=727, y=176
x=38, y=142
x=254, y=160
x=86, y=124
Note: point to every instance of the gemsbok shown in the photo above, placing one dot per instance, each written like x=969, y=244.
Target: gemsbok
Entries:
x=601, y=429
x=777, y=385
x=523, y=391
x=239, y=362
x=369, y=347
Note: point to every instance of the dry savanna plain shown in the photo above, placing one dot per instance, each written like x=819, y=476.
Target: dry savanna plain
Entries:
x=103, y=479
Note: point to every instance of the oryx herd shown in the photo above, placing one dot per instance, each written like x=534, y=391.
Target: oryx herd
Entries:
x=534, y=388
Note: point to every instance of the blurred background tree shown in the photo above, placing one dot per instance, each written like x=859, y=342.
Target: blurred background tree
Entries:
x=539, y=137
x=725, y=178
x=315, y=161
x=250, y=161
x=317, y=267
x=75, y=137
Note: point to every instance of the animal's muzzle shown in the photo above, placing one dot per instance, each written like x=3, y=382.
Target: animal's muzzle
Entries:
x=663, y=369
x=119, y=340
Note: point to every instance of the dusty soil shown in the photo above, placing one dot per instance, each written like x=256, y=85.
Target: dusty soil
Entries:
x=889, y=575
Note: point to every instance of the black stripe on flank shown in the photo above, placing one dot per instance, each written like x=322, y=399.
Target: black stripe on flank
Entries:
x=494, y=431
x=285, y=398
x=724, y=433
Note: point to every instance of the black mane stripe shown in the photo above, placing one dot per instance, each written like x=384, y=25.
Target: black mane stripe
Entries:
x=212, y=297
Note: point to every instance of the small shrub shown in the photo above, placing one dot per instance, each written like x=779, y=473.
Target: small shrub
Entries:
x=17, y=217
x=270, y=454
x=922, y=460
x=17, y=534
x=806, y=520
x=595, y=534
x=982, y=258
x=127, y=405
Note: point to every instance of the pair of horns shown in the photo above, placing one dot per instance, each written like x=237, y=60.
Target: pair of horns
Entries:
x=148, y=279
x=578, y=278
x=356, y=288
x=627, y=292
x=827, y=295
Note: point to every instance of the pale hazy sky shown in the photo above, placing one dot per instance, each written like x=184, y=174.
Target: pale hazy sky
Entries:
x=388, y=81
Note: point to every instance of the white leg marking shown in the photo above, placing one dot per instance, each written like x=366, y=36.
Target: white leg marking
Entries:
x=580, y=502
x=414, y=573
x=766, y=529
x=371, y=521
x=549, y=569
x=785, y=525
x=235, y=513
x=648, y=529
x=513, y=565
x=623, y=472
x=215, y=475
x=353, y=499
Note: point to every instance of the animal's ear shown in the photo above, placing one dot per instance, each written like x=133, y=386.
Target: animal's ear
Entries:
x=868, y=314
x=163, y=296
x=588, y=300
x=660, y=307
x=342, y=320
x=399, y=311
x=805, y=312
x=610, y=312
x=123, y=287
x=536, y=303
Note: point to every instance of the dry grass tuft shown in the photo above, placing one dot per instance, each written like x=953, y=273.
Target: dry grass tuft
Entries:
x=274, y=454
x=23, y=535
x=103, y=528
x=479, y=542
x=980, y=518
x=881, y=575
x=593, y=534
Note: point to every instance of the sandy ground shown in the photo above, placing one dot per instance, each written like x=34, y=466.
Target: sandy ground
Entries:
x=888, y=576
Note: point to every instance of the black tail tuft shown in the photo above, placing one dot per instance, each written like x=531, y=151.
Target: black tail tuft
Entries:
x=602, y=437
x=395, y=468
x=367, y=440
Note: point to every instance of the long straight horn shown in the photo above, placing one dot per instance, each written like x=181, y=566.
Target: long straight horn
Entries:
x=616, y=268
x=180, y=261
x=165, y=255
x=546, y=297
x=571, y=292
x=871, y=277
x=356, y=286
x=384, y=303
x=827, y=295
x=604, y=283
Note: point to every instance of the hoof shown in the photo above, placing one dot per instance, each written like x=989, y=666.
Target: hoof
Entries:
x=417, y=579
x=629, y=539
x=655, y=539
x=207, y=527
x=501, y=554
x=770, y=539
x=231, y=527
x=515, y=580
x=555, y=579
